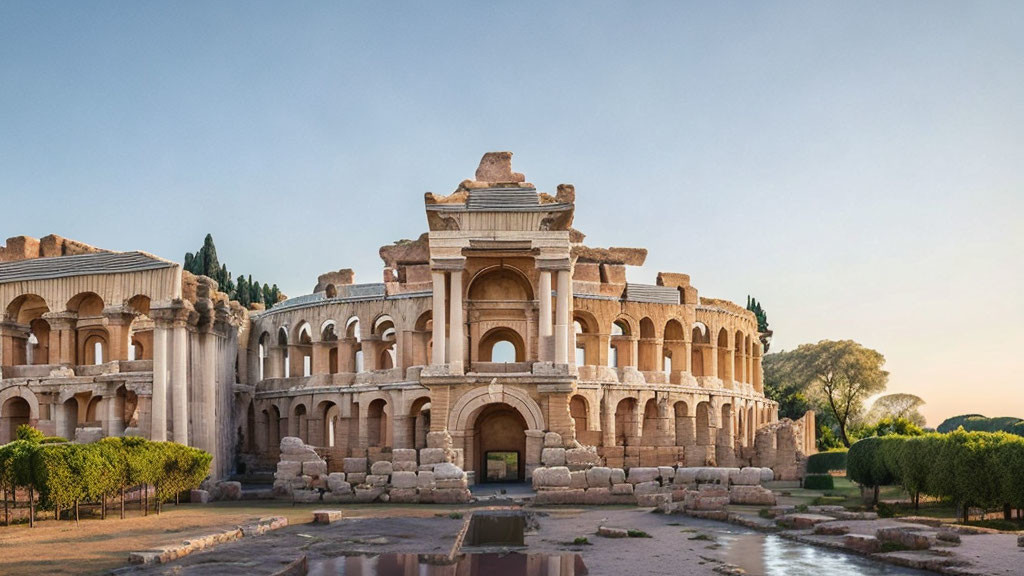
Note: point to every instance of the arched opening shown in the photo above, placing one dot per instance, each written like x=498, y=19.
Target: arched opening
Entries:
x=502, y=345
x=15, y=412
x=626, y=422
x=502, y=284
x=651, y=431
x=739, y=359
x=273, y=416
x=30, y=337
x=95, y=349
x=726, y=432
x=377, y=424
x=619, y=344
x=579, y=409
x=329, y=414
x=329, y=345
x=703, y=424
x=353, y=334
x=684, y=424
x=724, y=367
x=284, y=354
x=70, y=418
x=499, y=436
x=262, y=354
x=674, y=350
x=421, y=348
x=300, y=422
x=140, y=330
x=249, y=445
x=93, y=412
x=387, y=355
x=647, y=347
x=304, y=350
x=420, y=419
x=700, y=354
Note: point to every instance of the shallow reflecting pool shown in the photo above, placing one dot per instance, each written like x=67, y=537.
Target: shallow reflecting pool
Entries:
x=770, y=555
x=511, y=564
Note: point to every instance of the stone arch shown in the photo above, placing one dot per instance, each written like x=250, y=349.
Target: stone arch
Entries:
x=627, y=422
x=419, y=421
x=377, y=412
x=684, y=422
x=500, y=282
x=298, y=420
x=650, y=430
x=474, y=400
x=647, y=348
x=579, y=410
x=18, y=405
x=586, y=327
x=501, y=334
x=739, y=358
x=724, y=369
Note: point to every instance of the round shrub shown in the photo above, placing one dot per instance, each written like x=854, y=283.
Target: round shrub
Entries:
x=819, y=482
x=825, y=462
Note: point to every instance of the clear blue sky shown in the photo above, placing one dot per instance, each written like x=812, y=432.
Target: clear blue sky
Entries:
x=858, y=167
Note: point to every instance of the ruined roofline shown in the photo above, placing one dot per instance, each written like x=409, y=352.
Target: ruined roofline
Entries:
x=80, y=265
x=24, y=247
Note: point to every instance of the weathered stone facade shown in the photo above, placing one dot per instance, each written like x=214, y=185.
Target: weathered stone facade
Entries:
x=496, y=340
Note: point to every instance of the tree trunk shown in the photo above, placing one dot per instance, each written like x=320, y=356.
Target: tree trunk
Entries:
x=874, y=498
x=31, y=506
x=176, y=499
x=76, y=513
x=122, y=502
x=56, y=512
x=967, y=513
x=103, y=507
x=7, y=517
x=1007, y=511
x=144, y=499
x=156, y=496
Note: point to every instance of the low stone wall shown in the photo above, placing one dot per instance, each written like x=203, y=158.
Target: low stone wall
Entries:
x=699, y=489
x=166, y=554
x=428, y=475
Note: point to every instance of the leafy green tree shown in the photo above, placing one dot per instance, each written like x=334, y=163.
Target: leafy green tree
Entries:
x=29, y=434
x=897, y=406
x=891, y=427
x=206, y=263
x=839, y=375
x=782, y=388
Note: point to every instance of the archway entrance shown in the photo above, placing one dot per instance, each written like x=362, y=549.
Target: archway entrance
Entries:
x=14, y=412
x=499, y=436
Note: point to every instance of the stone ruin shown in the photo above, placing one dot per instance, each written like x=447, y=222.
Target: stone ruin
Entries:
x=405, y=475
x=696, y=490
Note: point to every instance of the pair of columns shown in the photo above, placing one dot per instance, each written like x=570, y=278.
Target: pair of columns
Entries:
x=444, y=352
x=169, y=375
x=562, y=320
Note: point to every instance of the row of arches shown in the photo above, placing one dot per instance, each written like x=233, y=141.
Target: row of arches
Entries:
x=113, y=412
x=85, y=332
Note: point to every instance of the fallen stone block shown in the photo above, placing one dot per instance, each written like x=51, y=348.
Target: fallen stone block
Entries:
x=863, y=543
x=306, y=496
x=354, y=465
x=622, y=489
x=432, y=456
x=404, y=467
x=904, y=537
x=381, y=468
x=553, y=440
x=667, y=473
x=597, y=496
x=326, y=516
x=599, y=477
x=199, y=496
x=403, y=455
x=557, y=476
x=404, y=495
x=355, y=478
x=314, y=468
x=638, y=475
x=376, y=480
x=400, y=480
x=655, y=499
x=803, y=521
x=829, y=529
x=578, y=479
x=751, y=495
x=609, y=532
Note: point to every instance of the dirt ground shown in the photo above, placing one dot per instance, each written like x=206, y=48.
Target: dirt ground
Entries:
x=97, y=546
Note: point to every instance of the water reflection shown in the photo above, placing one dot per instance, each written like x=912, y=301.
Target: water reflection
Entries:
x=513, y=564
x=770, y=555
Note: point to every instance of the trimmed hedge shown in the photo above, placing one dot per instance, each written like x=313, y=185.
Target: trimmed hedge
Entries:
x=819, y=482
x=825, y=462
x=67, y=474
x=980, y=469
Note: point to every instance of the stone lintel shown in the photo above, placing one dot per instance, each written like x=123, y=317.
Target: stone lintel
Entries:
x=553, y=264
x=447, y=264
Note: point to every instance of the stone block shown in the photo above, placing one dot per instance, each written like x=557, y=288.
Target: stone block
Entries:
x=314, y=468
x=553, y=440
x=432, y=456
x=326, y=516
x=863, y=543
x=599, y=477
x=442, y=440
x=609, y=532
x=404, y=467
x=667, y=473
x=229, y=490
x=451, y=484
x=747, y=477
x=335, y=479
x=685, y=476
x=403, y=455
x=404, y=495
x=306, y=496
x=653, y=500
x=598, y=496
x=578, y=479
x=448, y=471
x=651, y=487
x=1020, y=541
x=767, y=475
x=557, y=476
x=356, y=478
x=831, y=529
x=582, y=457
x=638, y=475
x=292, y=445
x=381, y=468
x=199, y=496
x=377, y=480
x=622, y=489
x=553, y=456
x=617, y=476
x=354, y=465
x=364, y=494
x=339, y=497
x=751, y=495
x=457, y=496
x=905, y=537
x=401, y=480
x=803, y=521
x=710, y=502
x=287, y=470
x=425, y=479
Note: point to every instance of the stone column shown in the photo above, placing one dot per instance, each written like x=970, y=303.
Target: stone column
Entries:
x=179, y=383
x=455, y=356
x=206, y=430
x=158, y=420
x=438, y=318
x=546, y=327
x=115, y=422
x=634, y=351
x=562, y=317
